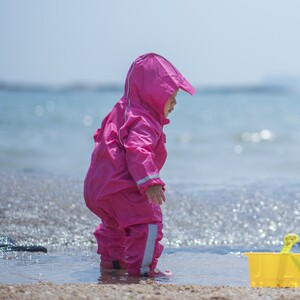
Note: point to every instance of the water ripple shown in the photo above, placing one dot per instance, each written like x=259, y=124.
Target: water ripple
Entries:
x=50, y=211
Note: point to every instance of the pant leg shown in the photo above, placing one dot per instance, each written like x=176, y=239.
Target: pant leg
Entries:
x=111, y=242
x=143, y=248
x=110, y=237
x=142, y=223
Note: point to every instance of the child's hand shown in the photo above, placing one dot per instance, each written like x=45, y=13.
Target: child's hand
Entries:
x=156, y=194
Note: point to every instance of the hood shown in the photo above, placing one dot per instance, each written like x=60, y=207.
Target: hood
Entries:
x=152, y=79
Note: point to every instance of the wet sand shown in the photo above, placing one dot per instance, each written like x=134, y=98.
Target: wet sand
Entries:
x=143, y=290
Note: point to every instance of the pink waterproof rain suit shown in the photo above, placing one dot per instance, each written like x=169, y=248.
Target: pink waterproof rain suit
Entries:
x=128, y=155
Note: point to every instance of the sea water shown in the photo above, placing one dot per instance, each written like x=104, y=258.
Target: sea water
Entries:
x=232, y=182
x=212, y=136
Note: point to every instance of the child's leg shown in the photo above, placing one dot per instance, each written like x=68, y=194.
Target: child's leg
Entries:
x=142, y=223
x=143, y=248
x=111, y=245
x=110, y=237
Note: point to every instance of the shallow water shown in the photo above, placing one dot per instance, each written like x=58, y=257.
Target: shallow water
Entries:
x=189, y=267
x=206, y=228
x=39, y=208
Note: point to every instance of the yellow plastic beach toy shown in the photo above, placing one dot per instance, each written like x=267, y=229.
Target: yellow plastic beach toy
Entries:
x=269, y=269
x=289, y=241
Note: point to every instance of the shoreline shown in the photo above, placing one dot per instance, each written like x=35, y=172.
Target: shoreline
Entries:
x=143, y=290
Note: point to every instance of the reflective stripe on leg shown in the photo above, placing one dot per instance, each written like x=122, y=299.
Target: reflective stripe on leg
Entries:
x=149, y=249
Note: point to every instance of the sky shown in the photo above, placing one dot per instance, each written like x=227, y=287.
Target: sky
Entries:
x=232, y=42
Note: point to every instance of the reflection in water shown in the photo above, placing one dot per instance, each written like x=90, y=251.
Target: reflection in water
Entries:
x=117, y=277
x=257, y=137
x=121, y=277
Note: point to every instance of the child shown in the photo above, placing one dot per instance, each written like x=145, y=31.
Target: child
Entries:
x=122, y=185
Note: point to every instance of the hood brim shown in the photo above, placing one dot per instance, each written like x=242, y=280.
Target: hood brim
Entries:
x=187, y=87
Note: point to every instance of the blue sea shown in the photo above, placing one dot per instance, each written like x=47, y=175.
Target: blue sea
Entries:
x=232, y=181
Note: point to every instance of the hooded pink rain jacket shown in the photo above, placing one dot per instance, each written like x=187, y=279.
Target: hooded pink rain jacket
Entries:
x=128, y=156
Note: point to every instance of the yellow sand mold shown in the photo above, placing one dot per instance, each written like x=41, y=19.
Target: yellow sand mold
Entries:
x=275, y=269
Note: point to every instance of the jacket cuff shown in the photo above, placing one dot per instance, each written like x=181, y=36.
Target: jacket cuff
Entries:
x=148, y=181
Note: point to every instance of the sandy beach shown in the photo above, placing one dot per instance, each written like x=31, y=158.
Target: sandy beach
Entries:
x=143, y=290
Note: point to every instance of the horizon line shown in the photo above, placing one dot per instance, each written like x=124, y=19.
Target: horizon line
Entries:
x=110, y=87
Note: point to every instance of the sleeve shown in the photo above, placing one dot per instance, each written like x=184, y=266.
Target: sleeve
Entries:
x=139, y=146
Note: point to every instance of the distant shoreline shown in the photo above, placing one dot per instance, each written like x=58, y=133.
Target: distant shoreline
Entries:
x=49, y=88
x=113, y=87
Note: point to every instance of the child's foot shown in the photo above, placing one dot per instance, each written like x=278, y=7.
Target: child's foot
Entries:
x=157, y=273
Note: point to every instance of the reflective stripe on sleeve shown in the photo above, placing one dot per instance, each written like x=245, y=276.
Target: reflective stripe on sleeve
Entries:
x=147, y=178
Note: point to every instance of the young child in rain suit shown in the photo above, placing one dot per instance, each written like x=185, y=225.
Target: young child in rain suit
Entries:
x=123, y=186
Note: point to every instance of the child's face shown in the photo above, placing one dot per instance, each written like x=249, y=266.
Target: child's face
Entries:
x=169, y=106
